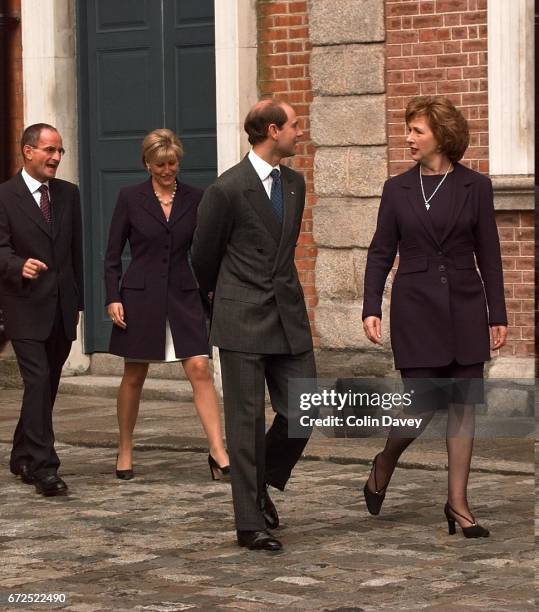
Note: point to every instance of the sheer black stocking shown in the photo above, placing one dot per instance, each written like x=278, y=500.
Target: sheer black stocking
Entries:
x=459, y=441
x=398, y=440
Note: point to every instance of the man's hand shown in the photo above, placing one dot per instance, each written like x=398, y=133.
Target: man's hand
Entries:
x=32, y=268
x=116, y=314
x=372, y=326
x=499, y=336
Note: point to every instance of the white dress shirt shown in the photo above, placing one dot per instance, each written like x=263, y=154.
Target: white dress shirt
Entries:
x=34, y=185
x=263, y=169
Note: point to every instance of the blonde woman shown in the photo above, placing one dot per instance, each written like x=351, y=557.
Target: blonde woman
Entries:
x=156, y=309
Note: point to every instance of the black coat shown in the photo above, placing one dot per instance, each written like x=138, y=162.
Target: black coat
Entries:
x=243, y=254
x=159, y=283
x=440, y=306
x=30, y=305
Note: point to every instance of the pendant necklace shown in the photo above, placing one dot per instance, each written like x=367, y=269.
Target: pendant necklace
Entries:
x=427, y=201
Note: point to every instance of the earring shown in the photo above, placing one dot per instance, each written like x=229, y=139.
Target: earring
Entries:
x=148, y=167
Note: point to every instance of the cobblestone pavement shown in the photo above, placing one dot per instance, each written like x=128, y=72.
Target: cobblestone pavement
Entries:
x=165, y=540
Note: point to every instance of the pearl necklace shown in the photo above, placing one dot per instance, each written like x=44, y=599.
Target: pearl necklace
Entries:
x=167, y=202
x=427, y=201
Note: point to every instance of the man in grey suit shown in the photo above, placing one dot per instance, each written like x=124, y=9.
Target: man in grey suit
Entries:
x=243, y=253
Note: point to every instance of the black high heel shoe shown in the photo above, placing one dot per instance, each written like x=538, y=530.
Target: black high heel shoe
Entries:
x=374, y=500
x=217, y=472
x=124, y=474
x=474, y=531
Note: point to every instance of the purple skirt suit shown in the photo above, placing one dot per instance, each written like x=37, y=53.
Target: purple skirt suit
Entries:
x=158, y=285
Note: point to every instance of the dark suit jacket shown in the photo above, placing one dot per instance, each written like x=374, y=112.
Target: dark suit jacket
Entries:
x=438, y=300
x=30, y=305
x=159, y=282
x=241, y=252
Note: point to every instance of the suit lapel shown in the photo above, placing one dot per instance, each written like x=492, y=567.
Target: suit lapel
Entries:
x=459, y=195
x=183, y=201
x=150, y=204
x=289, y=198
x=258, y=198
x=57, y=207
x=29, y=206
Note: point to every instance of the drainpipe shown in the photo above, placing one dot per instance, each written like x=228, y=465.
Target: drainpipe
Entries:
x=6, y=22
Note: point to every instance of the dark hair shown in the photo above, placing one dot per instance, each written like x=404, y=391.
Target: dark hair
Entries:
x=261, y=116
x=447, y=123
x=31, y=134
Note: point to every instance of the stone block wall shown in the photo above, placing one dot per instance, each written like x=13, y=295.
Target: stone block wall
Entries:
x=348, y=127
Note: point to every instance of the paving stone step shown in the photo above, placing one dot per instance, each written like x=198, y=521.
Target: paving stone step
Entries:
x=104, y=364
x=107, y=386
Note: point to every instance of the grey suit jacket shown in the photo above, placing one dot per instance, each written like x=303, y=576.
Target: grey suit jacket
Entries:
x=242, y=253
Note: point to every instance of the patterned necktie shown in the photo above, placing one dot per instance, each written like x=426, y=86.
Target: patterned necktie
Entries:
x=276, y=196
x=45, y=203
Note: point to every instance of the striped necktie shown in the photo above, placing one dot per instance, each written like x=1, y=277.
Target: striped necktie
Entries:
x=45, y=203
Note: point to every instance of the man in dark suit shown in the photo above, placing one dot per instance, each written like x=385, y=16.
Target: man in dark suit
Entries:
x=41, y=294
x=243, y=252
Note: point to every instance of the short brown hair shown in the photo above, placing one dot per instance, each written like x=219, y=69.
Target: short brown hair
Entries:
x=447, y=123
x=261, y=116
x=31, y=134
x=160, y=145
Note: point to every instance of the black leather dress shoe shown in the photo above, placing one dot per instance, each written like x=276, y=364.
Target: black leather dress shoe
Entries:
x=50, y=485
x=269, y=511
x=258, y=540
x=23, y=470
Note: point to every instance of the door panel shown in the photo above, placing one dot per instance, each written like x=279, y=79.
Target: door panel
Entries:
x=122, y=14
x=144, y=64
x=190, y=103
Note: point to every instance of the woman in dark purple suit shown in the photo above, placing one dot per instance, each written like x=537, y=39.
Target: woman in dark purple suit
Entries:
x=156, y=311
x=439, y=216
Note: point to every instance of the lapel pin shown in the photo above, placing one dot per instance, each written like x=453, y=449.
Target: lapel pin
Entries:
x=292, y=193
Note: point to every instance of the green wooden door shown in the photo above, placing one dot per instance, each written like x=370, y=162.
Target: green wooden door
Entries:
x=143, y=64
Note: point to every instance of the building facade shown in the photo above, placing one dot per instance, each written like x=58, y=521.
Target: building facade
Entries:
x=347, y=66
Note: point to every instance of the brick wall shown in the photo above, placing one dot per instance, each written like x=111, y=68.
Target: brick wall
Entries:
x=15, y=119
x=516, y=231
x=283, y=71
x=439, y=47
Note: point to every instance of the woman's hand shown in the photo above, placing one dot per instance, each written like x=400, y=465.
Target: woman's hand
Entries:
x=372, y=326
x=116, y=314
x=499, y=336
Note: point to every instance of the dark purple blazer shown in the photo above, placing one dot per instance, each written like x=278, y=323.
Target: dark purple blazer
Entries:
x=159, y=282
x=441, y=307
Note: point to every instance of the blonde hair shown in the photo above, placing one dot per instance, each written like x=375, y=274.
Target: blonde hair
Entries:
x=161, y=144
